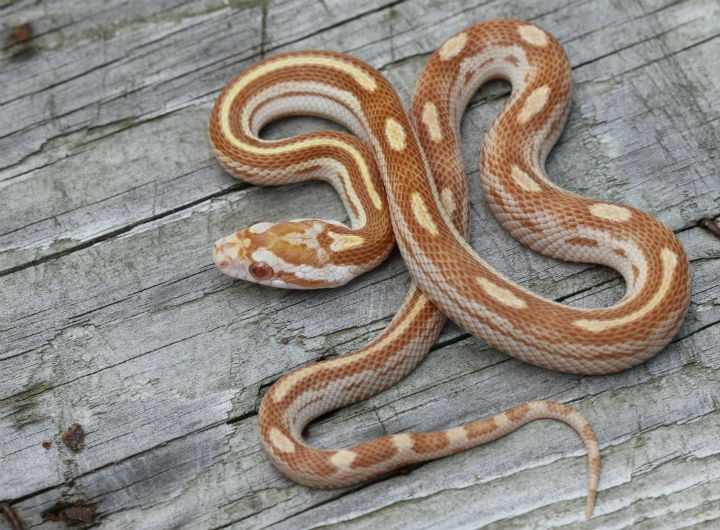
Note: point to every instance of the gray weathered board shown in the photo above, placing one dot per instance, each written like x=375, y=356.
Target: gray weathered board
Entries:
x=113, y=316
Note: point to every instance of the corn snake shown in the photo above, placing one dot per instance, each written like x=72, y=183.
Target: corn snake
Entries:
x=418, y=161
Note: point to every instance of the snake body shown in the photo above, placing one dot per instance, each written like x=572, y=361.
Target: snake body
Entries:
x=418, y=161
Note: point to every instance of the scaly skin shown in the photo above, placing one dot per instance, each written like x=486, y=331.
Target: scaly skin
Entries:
x=425, y=197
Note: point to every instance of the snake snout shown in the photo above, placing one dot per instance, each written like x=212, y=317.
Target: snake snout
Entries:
x=220, y=258
x=226, y=252
x=230, y=257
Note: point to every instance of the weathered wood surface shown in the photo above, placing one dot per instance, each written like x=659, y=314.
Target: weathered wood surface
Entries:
x=113, y=316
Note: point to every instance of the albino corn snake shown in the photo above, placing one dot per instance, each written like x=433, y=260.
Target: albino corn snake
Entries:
x=418, y=161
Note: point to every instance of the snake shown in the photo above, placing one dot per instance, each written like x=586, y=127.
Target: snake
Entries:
x=401, y=178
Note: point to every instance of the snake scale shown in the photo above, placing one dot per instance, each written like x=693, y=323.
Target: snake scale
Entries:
x=404, y=177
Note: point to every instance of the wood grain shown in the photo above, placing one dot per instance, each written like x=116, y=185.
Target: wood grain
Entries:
x=113, y=316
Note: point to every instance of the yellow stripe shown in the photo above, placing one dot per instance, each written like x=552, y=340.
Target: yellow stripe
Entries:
x=669, y=262
x=282, y=387
x=523, y=180
x=344, y=241
x=364, y=79
x=453, y=46
x=534, y=103
x=395, y=134
x=611, y=212
x=431, y=121
x=422, y=215
x=533, y=35
x=501, y=294
x=280, y=441
x=343, y=458
x=361, y=77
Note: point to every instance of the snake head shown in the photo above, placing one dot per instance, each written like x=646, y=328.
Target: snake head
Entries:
x=290, y=255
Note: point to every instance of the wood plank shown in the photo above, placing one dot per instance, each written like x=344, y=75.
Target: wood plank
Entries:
x=112, y=314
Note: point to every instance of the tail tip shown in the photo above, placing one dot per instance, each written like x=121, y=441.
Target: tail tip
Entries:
x=590, y=503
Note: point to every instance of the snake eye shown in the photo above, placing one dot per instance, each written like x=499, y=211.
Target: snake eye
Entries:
x=260, y=270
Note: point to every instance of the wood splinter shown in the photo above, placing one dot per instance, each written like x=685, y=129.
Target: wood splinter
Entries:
x=710, y=225
x=10, y=516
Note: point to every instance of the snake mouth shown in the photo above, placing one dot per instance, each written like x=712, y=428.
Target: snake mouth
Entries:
x=224, y=257
x=220, y=259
